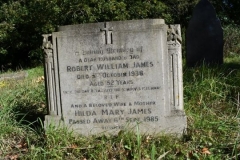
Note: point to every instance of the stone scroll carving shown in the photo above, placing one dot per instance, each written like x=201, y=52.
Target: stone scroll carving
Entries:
x=174, y=41
x=49, y=73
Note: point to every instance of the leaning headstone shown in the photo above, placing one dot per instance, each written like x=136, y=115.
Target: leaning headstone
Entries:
x=13, y=76
x=204, y=36
x=106, y=77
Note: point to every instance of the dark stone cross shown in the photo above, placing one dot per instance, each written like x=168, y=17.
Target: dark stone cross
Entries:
x=204, y=36
x=108, y=33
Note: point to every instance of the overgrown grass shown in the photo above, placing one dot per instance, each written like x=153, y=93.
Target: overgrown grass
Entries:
x=211, y=105
x=24, y=95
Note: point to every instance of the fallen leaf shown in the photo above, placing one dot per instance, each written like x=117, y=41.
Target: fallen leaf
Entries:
x=12, y=157
x=148, y=139
x=206, y=151
x=19, y=146
x=39, y=79
x=74, y=146
x=25, y=144
x=24, y=150
x=163, y=155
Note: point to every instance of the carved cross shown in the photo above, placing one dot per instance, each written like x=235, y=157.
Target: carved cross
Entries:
x=108, y=33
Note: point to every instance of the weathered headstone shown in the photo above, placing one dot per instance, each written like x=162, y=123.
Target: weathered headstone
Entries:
x=204, y=36
x=105, y=77
x=14, y=76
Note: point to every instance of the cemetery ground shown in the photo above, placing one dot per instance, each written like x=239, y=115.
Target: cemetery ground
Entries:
x=211, y=102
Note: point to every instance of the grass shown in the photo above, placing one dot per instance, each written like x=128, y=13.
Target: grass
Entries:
x=211, y=104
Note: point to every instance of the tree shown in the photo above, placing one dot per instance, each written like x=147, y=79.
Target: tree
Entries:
x=231, y=11
x=24, y=21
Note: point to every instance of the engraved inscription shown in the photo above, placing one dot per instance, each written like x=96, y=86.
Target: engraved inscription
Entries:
x=108, y=33
x=111, y=74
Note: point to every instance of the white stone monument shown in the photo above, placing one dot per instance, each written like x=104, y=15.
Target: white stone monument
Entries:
x=105, y=77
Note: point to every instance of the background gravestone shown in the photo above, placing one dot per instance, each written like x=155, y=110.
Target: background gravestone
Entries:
x=13, y=76
x=204, y=36
x=105, y=77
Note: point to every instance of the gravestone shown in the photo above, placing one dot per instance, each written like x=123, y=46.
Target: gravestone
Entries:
x=204, y=36
x=106, y=77
x=13, y=76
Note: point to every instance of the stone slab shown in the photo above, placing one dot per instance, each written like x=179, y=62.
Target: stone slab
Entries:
x=105, y=77
x=204, y=36
x=13, y=76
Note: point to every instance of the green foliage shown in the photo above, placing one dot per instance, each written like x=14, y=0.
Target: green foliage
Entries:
x=23, y=22
x=231, y=8
x=180, y=10
x=231, y=40
x=25, y=96
x=211, y=94
x=13, y=135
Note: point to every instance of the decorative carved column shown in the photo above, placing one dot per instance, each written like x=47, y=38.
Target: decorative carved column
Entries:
x=174, y=41
x=49, y=74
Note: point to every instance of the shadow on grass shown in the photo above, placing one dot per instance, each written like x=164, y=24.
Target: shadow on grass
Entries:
x=226, y=65
x=232, y=65
x=33, y=120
